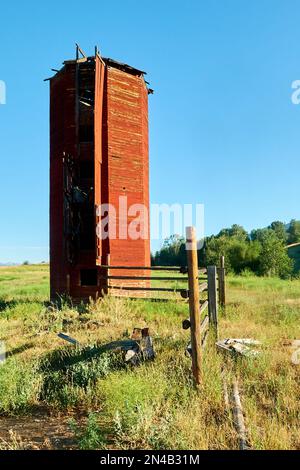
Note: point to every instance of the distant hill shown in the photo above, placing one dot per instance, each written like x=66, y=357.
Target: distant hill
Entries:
x=9, y=264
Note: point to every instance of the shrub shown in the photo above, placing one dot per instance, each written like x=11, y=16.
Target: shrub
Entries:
x=20, y=385
x=91, y=436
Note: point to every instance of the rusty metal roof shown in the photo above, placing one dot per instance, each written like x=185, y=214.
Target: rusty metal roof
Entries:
x=125, y=67
x=109, y=62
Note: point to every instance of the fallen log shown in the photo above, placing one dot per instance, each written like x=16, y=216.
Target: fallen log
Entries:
x=238, y=416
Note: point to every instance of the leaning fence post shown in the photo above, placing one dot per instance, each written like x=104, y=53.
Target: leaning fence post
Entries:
x=221, y=284
x=194, y=301
x=212, y=298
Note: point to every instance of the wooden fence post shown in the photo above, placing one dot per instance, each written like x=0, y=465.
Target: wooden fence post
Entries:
x=194, y=302
x=107, y=273
x=221, y=283
x=212, y=298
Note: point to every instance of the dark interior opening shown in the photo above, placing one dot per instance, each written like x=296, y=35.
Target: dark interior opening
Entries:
x=88, y=230
x=86, y=169
x=86, y=133
x=88, y=277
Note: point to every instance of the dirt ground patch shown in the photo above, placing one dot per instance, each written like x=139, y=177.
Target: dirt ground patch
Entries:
x=40, y=430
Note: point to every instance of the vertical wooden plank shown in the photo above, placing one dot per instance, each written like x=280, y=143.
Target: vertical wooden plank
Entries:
x=222, y=261
x=98, y=118
x=194, y=302
x=107, y=272
x=212, y=298
x=221, y=284
x=68, y=284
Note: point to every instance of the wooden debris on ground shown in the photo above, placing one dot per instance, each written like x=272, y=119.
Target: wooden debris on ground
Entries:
x=295, y=347
x=143, y=349
x=233, y=406
x=243, y=347
x=135, y=350
x=2, y=352
x=238, y=416
x=239, y=346
x=69, y=339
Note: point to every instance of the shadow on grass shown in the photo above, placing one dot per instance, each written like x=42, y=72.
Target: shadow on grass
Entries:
x=10, y=304
x=20, y=349
x=66, y=302
x=64, y=358
x=4, y=304
x=69, y=374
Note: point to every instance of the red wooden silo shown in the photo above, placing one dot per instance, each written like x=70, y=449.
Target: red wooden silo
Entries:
x=98, y=152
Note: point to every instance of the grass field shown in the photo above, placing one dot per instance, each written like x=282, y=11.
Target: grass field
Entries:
x=101, y=403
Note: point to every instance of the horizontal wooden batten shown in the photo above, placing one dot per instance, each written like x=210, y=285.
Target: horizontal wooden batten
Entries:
x=151, y=268
x=186, y=324
x=203, y=287
x=204, y=306
x=144, y=278
x=204, y=324
x=148, y=289
x=204, y=339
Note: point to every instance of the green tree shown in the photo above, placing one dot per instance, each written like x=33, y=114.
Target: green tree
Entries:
x=239, y=232
x=253, y=255
x=263, y=252
x=293, y=231
x=258, y=234
x=225, y=232
x=171, y=253
x=243, y=255
x=274, y=260
x=232, y=243
x=174, y=242
x=216, y=247
x=234, y=231
x=239, y=254
x=280, y=230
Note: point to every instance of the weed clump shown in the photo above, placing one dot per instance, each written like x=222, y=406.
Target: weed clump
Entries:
x=69, y=375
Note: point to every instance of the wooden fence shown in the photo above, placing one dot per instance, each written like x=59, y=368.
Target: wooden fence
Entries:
x=216, y=296
x=205, y=293
x=142, y=287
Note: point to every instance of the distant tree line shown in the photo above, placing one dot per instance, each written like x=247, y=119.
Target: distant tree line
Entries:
x=262, y=251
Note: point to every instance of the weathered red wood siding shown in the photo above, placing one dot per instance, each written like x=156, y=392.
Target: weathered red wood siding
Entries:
x=119, y=153
x=62, y=139
x=127, y=135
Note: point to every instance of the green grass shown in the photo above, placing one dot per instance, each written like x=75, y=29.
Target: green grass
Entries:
x=153, y=406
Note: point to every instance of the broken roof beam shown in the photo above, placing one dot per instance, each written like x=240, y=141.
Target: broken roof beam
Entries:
x=123, y=67
x=79, y=51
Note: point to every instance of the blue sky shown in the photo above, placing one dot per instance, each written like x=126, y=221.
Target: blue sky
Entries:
x=223, y=129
